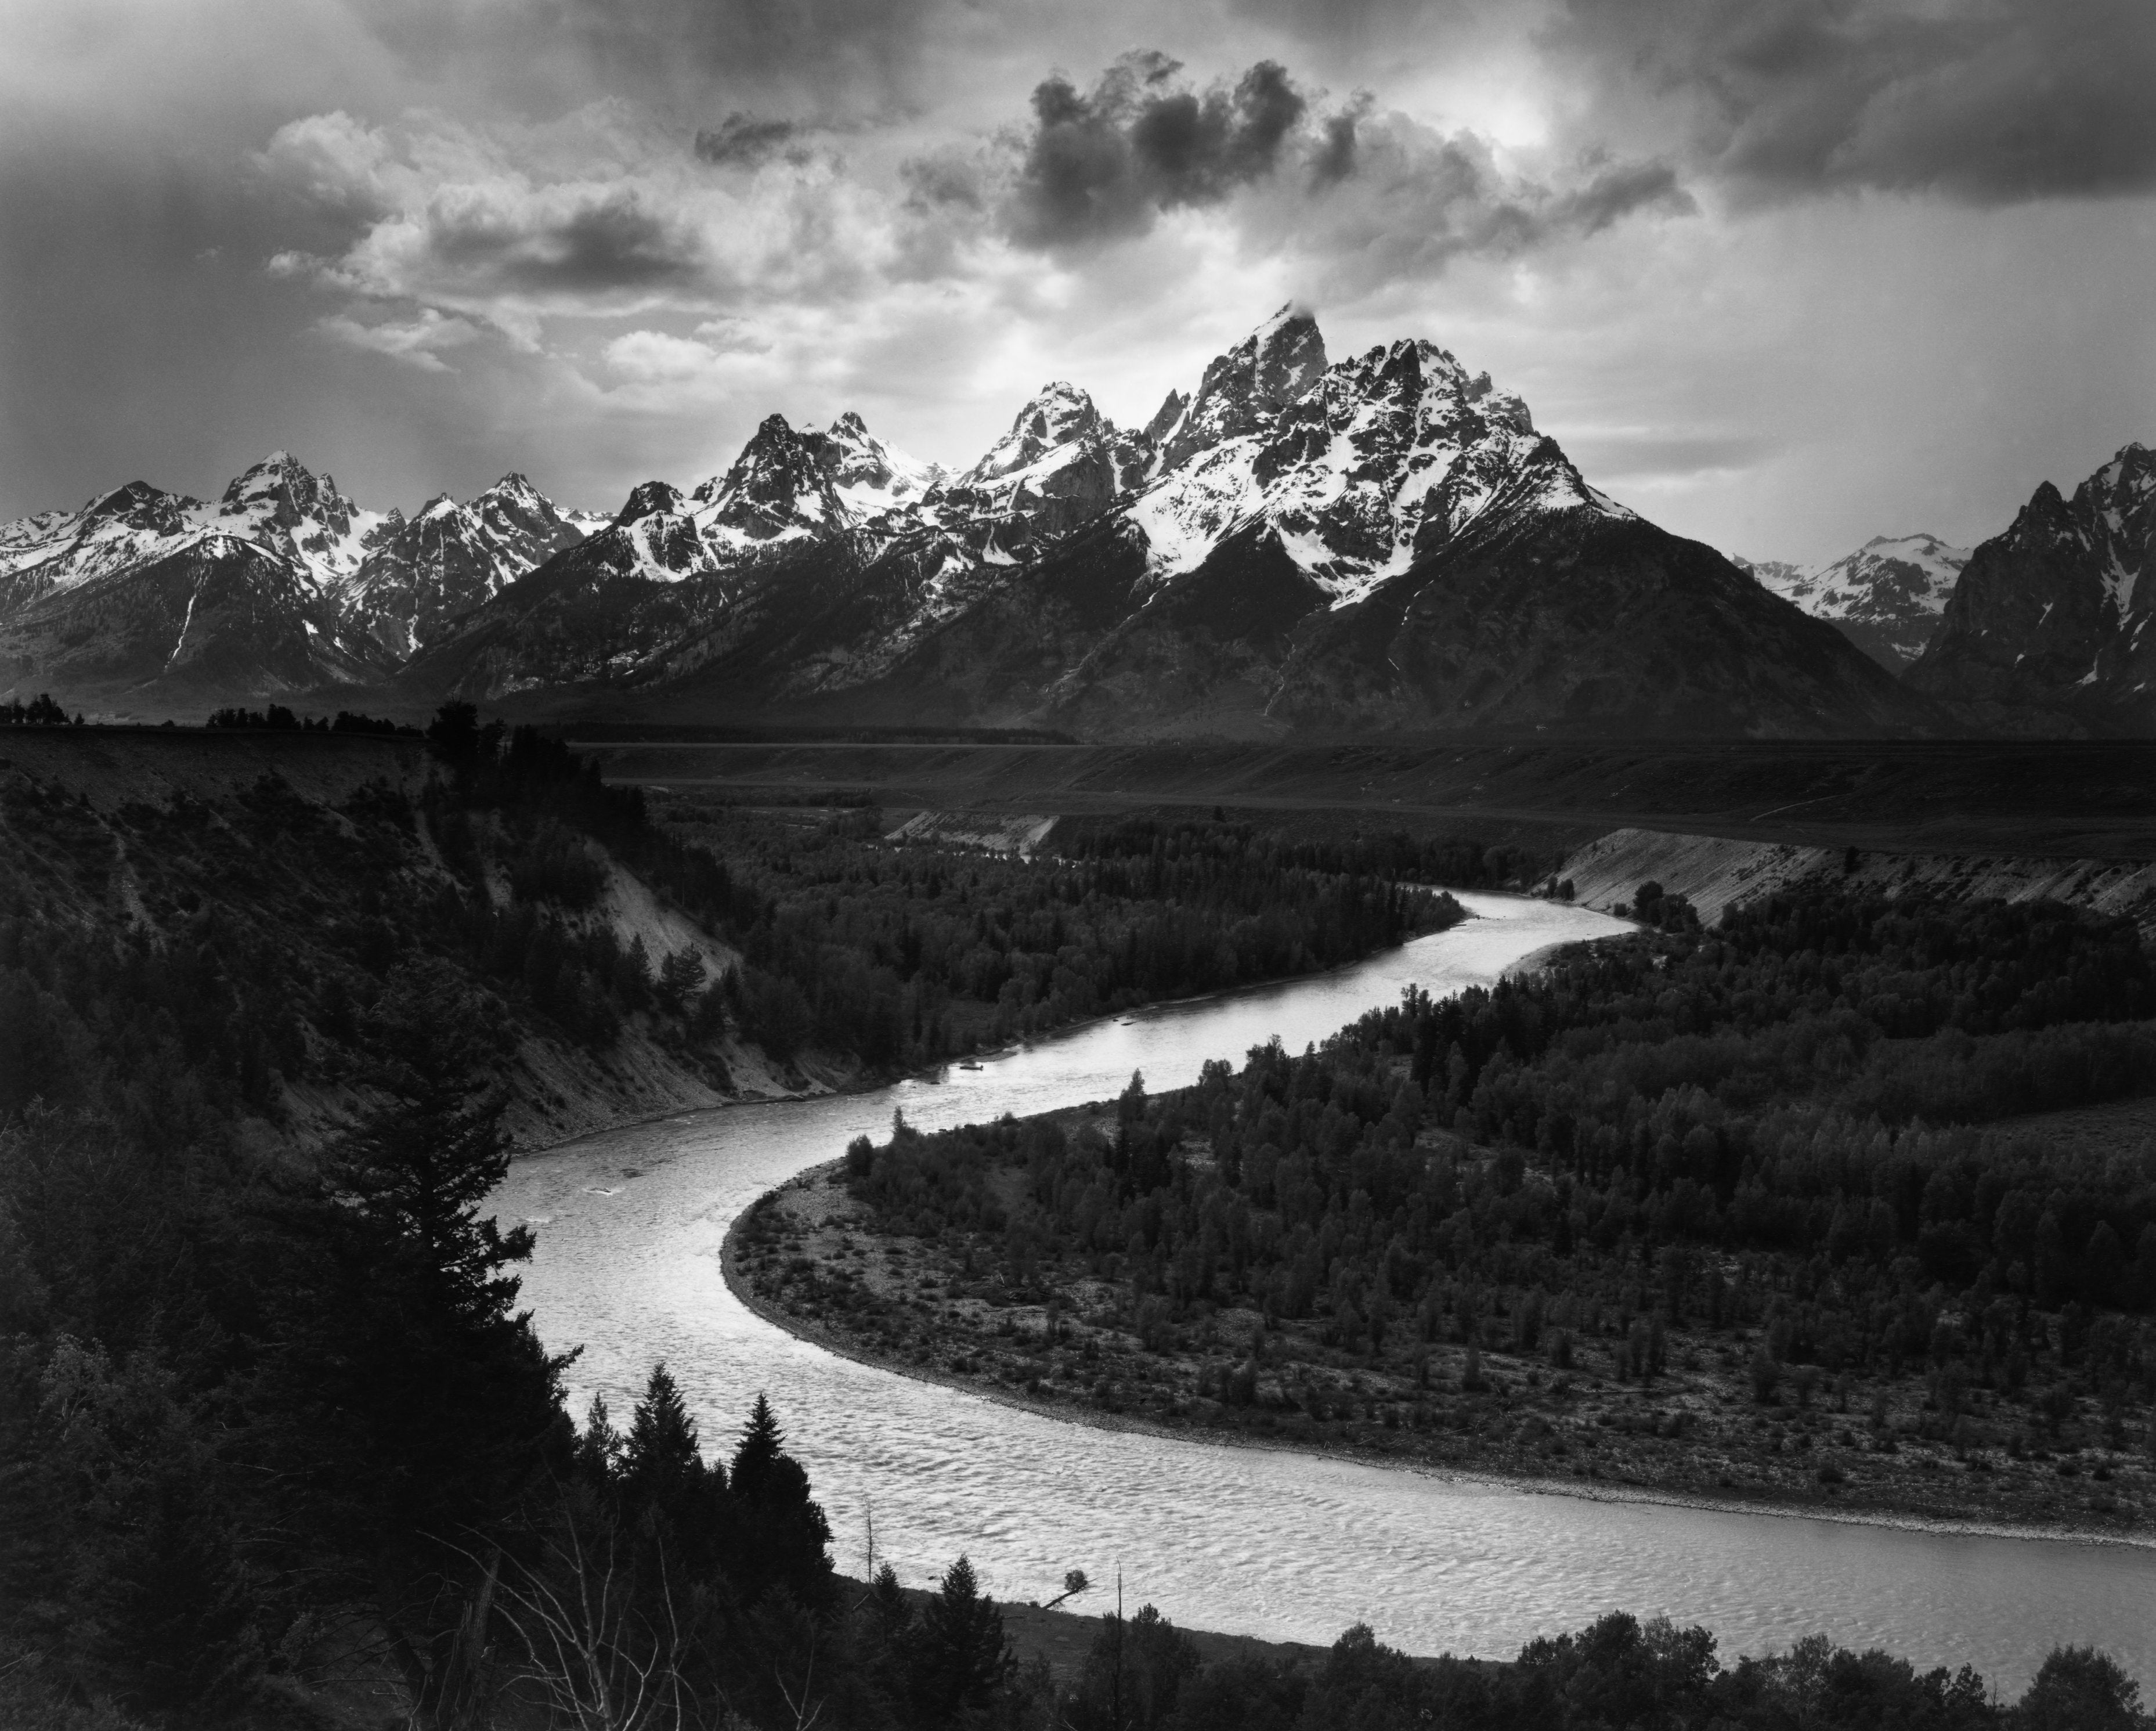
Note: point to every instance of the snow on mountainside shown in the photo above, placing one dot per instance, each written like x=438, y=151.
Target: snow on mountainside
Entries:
x=1177, y=577
x=282, y=505
x=59, y=549
x=1885, y=597
x=293, y=585
x=1358, y=468
x=2048, y=628
x=450, y=558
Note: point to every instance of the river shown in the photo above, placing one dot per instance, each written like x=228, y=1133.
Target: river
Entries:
x=1265, y=1542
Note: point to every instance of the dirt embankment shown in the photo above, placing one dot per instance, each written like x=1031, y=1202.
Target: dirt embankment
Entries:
x=1717, y=871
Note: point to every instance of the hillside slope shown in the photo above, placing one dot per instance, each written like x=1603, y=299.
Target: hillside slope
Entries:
x=320, y=870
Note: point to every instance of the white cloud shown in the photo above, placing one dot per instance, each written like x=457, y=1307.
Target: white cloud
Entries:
x=416, y=342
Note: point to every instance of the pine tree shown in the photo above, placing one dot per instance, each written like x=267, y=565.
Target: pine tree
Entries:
x=961, y=1658
x=599, y=1447
x=762, y=1446
x=784, y=1539
x=661, y=1452
x=415, y=1411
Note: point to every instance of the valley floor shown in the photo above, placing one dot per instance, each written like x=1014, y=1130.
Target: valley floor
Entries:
x=1854, y=1447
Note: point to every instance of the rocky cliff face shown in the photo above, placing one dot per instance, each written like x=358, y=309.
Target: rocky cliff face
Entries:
x=2048, y=629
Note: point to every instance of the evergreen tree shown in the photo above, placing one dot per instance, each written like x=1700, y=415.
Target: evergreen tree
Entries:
x=962, y=1657
x=784, y=1538
x=411, y=1412
x=757, y=1456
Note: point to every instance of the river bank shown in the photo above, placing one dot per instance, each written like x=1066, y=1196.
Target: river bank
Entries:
x=1282, y=1542
x=806, y=1258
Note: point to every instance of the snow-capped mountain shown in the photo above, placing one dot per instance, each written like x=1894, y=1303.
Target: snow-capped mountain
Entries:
x=1885, y=597
x=282, y=505
x=1382, y=541
x=2048, y=626
x=448, y=559
x=283, y=585
x=59, y=549
x=1290, y=541
x=1356, y=468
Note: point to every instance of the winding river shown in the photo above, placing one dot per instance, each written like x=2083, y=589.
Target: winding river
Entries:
x=1264, y=1542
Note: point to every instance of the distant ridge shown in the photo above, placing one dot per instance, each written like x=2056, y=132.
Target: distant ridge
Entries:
x=1293, y=546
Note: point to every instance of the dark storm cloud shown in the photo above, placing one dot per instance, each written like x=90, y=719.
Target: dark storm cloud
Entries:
x=609, y=243
x=1102, y=164
x=1388, y=200
x=1370, y=196
x=744, y=140
x=1988, y=101
x=1333, y=159
x=1613, y=193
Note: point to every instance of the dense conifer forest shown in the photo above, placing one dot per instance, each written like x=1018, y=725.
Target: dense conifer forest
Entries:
x=1742, y=1210
x=908, y=956
x=278, y=1446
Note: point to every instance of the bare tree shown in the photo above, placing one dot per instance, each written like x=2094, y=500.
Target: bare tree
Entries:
x=599, y=1660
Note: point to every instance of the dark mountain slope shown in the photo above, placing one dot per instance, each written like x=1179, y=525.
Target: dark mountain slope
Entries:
x=1579, y=619
x=2047, y=630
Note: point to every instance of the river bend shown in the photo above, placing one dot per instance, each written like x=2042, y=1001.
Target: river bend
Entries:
x=1267, y=1541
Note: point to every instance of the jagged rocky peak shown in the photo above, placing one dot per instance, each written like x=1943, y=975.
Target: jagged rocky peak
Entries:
x=281, y=490
x=1164, y=418
x=2131, y=474
x=512, y=508
x=2048, y=624
x=651, y=498
x=141, y=505
x=1058, y=415
x=1244, y=390
x=778, y=486
x=1428, y=384
x=283, y=505
x=868, y=476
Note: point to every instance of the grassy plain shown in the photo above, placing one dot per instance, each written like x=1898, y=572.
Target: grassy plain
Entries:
x=2095, y=799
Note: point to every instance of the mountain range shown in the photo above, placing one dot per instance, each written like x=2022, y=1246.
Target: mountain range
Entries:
x=1294, y=544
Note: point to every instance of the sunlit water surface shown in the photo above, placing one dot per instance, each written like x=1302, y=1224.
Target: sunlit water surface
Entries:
x=1264, y=1542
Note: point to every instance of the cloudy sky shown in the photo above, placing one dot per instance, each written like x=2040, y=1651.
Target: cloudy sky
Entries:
x=1781, y=274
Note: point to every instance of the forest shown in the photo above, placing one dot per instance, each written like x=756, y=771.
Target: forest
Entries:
x=268, y=1409
x=1746, y=1209
x=278, y=1446
x=908, y=956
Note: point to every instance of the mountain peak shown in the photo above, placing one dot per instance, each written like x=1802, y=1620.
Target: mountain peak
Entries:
x=649, y=498
x=778, y=486
x=1058, y=413
x=1244, y=389
x=869, y=477
x=135, y=500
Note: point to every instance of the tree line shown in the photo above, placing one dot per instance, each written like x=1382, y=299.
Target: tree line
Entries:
x=908, y=956
x=1799, y=1123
